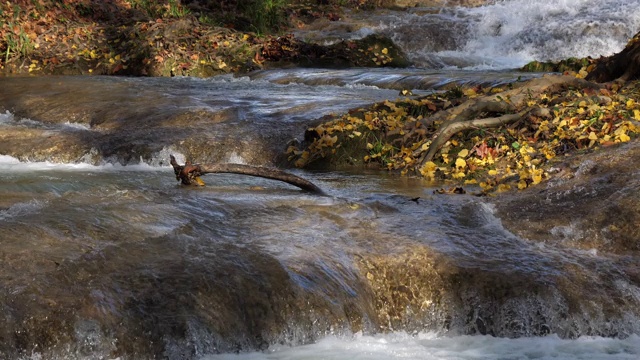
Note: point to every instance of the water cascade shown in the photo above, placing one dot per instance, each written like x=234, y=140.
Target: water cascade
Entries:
x=104, y=256
x=500, y=35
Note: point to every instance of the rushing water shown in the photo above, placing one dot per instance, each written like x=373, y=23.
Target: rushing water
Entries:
x=103, y=255
x=112, y=260
x=501, y=35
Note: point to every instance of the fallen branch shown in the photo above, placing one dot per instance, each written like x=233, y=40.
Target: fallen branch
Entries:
x=189, y=174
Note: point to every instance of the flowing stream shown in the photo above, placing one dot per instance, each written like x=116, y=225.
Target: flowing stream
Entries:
x=103, y=255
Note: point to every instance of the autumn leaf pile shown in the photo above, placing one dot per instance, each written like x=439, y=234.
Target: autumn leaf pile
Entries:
x=119, y=37
x=392, y=135
x=171, y=37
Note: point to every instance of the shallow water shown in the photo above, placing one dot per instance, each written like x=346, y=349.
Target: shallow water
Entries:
x=115, y=260
x=247, y=263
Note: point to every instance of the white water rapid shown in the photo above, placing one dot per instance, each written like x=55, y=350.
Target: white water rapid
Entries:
x=504, y=35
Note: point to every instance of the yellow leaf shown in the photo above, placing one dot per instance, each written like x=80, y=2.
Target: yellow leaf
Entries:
x=428, y=170
x=461, y=163
x=458, y=175
x=470, y=92
x=504, y=187
x=582, y=74
x=636, y=114
x=630, y=103
x=199, y=181
x=429, y=166
x=493, y=172
x=624, y=137
x=522, y=184
x=385, y=51
x=593, y=136
x=463, y=153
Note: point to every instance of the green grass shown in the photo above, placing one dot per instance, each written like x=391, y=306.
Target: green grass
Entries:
x=155, y=9
x=176, y=10
x=265, y=16
x=16, y=40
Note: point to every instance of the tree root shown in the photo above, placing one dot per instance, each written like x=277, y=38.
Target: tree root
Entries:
x=189, y=174
x=446, y=132
x=503, y=108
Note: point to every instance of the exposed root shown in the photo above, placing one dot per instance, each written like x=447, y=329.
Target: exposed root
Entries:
x=446, y=132
x=473, y=113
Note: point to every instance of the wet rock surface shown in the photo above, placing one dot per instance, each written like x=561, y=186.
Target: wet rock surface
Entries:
x=591, y=202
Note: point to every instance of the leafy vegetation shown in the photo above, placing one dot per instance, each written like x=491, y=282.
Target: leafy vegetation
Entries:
x=396, y=134
x=170, y=37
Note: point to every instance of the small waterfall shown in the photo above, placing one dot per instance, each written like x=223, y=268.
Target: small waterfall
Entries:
x=502, y=35
x=511, y=33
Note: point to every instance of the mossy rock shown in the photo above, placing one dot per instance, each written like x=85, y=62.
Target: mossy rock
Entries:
x=374, y=51
x=570, y=64
x=371, y=51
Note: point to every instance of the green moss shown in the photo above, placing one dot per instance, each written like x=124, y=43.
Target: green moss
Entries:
x=570, y=64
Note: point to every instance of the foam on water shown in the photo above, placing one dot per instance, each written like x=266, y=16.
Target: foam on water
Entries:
x=20, y=209
x=9, y=119
x=11, y=164
x=524, y=30
x=5, y=118
x=433, y=347
x=510, y=33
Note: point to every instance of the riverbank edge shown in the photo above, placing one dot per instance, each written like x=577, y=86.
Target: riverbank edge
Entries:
x=99, y=40
x=120, y=38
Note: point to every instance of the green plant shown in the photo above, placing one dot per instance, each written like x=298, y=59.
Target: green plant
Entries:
x=264, y=15
x=18, y=43
x=177, y=10
x=380, y=150
x=150, y=8
x=454, y=93
x=207, y=20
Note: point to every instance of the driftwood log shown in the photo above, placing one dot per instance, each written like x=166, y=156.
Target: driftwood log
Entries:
x=189, y=174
